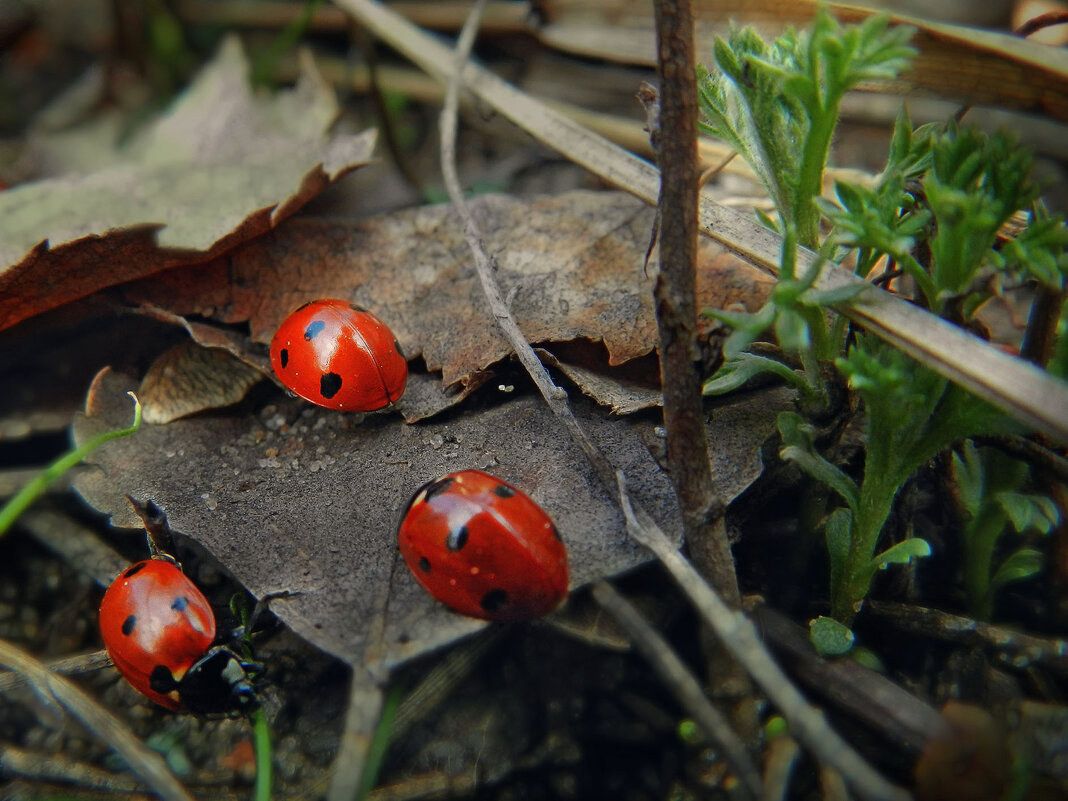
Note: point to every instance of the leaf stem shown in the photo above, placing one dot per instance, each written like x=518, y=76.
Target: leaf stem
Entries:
x=39, y=483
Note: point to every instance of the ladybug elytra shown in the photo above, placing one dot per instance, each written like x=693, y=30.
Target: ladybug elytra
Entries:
x=339, y=356
x=483, y=548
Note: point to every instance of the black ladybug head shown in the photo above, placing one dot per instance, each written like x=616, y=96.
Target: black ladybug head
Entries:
x=218, y=682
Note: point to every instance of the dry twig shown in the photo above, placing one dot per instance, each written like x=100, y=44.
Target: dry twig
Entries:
x=146, y=763
x=673, y=132
x=683, y=685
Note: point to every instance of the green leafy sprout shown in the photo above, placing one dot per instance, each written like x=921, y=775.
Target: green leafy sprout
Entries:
x=935, y=214
x=992, y=501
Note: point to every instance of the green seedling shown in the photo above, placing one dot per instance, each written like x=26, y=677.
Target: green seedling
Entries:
x=261, y=728
x=991, y=500
x=912, y=415
x=935, y=214
x=777, y=104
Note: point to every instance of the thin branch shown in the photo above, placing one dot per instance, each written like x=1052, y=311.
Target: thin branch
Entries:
x=146, y=763
x=1012, y=647
x=1040, y=335
x=73, y=665
x=672, y=124
x=42, y=767
x=485, y=265
x=683, y=685
x=676, y=306
x=366, y=699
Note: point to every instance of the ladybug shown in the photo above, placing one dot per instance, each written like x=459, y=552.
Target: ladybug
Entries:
x=158, y=629
x=483, y=548
x=340, y=356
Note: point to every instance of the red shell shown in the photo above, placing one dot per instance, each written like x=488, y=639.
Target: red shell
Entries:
x=152, y=615
x=483, y=548
x=340, y=356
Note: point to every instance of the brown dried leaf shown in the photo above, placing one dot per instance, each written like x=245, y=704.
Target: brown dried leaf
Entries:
x=571, y=266
x=301, y=498
x=188, y=378
x=223, y=166
x=622, y=394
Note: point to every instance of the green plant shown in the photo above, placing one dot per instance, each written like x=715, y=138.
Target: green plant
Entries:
x=935, y=213
x=991, y=501
x=952, y=189
x=797, y=312
x=777, y=104
x=913, y=414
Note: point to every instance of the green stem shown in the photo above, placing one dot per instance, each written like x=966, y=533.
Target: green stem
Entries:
x=921, y=277
x=810, y=176
x=264, y=768
x=978, y=557
x=376, y=753
x=39, y=483
x=872, y=511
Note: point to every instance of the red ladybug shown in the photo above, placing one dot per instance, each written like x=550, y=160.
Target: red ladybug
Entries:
x=340, y=356
x=483, y=548
x=158, y=629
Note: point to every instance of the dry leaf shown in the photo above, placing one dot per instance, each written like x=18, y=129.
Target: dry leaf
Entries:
x=571, y=265
x=188, y=378
x=301, y=498
x=223, y=166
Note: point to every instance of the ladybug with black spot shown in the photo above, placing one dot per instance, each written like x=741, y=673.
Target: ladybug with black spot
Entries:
x=159, y=631
x=483, y=548
x=339, y=356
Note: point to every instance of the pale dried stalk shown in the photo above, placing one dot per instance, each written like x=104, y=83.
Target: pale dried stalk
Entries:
x=53, y=688
x=683, y=685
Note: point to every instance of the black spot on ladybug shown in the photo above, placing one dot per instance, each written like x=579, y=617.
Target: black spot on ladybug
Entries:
x=424, y=564
x=494, y=600
x=556, y=533
x=283, y=357
x=356, y=308
x=400, y=352
x=503, y=491
x=438, y=487
x=315, y=327
x=457, y=539
x=135, y=569
x=329, y=384
x=161, y=680
x=128, y=625
x=180, y=604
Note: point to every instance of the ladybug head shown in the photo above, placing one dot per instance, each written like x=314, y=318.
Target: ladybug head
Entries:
x=219, y=682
